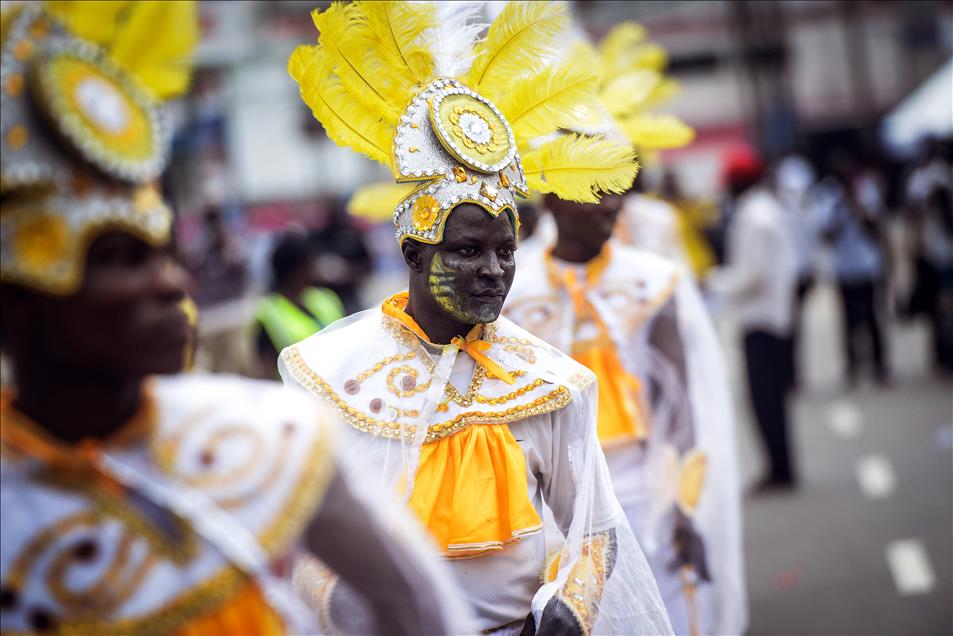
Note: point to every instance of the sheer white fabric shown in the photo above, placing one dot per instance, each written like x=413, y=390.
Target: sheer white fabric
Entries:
x=661, y=330
x=566, y=469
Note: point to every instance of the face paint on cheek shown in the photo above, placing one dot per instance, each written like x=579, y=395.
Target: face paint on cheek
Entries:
x=442, y=283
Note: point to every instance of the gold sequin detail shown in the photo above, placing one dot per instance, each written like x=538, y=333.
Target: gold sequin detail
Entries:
x=459, y=174
x=14, y=85
x=503, y=399
x=17, y=137
x=401, y=391
x=558, y=398
x=389, y=360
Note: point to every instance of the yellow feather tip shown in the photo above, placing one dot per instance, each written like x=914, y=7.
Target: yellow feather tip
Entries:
x=578, y=168
x=378, y=200
x=519, y=39
x=657, y=131
x=153, y=40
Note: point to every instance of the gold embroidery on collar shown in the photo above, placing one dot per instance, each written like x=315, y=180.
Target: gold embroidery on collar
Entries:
x=556, y=399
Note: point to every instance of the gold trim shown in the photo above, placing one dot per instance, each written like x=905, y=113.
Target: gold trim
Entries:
x=305, y=376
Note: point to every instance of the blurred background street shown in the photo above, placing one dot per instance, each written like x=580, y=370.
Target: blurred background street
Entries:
x=864, y=546
x=848, y=108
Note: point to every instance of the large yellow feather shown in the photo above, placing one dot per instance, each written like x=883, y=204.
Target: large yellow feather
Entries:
x=151, y=39
x=578, y=168
x=648, y=55
x=626, y=93
x=378, y=200
x=95, y=21
x=346, y=38
x=656, y=131
x=347, y=121
x=537, y=105
x=619, y=39
x=395, y=33
x=520, y=39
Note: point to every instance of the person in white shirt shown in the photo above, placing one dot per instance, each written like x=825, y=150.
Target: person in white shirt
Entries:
x=759, y=281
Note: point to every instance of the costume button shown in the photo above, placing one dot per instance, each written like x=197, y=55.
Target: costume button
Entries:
x=351, y=387
x=376, y=405
x=408, y=382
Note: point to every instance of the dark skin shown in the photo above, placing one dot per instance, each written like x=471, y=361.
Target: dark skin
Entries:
x=584, y=228
x=92, y=349
x=464, y=280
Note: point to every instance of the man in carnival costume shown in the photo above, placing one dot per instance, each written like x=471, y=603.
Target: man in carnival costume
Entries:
x=476, y=423
x=132, y=504
x=664, y=417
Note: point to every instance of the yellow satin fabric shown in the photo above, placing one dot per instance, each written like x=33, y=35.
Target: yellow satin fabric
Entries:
x=621, y=415
x=245, y=613
x=471, y=491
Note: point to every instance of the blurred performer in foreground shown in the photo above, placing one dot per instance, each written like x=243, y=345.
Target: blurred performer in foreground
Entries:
x=474, y=421
x=665, y=421
x=294, y=309
x=129, y=503
x=759, y=283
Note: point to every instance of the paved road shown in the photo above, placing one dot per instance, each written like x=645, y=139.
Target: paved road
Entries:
x=865, y=546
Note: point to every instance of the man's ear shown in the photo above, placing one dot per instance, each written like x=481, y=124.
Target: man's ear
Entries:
x=414, y=255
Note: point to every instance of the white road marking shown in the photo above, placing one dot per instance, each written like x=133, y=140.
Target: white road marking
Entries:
x=845, y=419
x=876, y=476
x=910, y=567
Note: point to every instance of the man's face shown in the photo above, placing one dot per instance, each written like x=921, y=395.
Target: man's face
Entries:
x=589, y=224
x=472, y=270
x=125, y=319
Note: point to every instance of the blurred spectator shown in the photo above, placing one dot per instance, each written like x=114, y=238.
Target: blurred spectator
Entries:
x=343, y=260
x=929, y=201
x=294, y=309
x=759, y=280
x=793, y=181
x=220, y=269
x=850, y=210
x=650, y=223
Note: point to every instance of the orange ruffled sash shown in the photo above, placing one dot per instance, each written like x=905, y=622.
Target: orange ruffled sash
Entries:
x=470, y=489
x=621, y=414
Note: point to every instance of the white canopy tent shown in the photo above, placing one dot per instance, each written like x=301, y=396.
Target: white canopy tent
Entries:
x=927, y=111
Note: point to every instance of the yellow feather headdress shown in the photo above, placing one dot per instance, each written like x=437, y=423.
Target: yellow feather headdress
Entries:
x=413, y=86
x=82, y=136
x=633, y=83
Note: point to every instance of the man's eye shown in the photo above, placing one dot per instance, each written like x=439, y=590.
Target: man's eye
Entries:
x=506, y=252
x=468, y=252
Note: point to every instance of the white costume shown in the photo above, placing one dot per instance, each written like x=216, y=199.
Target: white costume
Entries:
x=426, y=416
x=665, y=417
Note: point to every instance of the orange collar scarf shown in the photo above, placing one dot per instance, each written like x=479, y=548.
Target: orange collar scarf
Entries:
x=471, y=344
x=470, y=489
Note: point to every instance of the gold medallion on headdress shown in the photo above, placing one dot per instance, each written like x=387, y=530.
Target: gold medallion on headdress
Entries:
x=82, y=139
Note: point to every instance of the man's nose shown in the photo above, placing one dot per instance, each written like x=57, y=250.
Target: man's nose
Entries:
x=491, y=266
x=169, y=279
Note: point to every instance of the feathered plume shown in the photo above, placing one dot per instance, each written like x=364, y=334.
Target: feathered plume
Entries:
x=537, y=105
x=577, y=168
x=521, y=38
x=378, y=200
x=347, y=121
x=626, y=93
x=656, y=131
x=395, y=30
x=620, y=38
x=152, y=40
x=452, y=39
x=346, y=38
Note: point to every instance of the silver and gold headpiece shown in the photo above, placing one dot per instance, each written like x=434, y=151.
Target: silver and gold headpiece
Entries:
x=83, y=143
x=463, y=150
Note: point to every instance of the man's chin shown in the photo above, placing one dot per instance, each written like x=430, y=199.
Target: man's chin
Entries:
x=485, y=310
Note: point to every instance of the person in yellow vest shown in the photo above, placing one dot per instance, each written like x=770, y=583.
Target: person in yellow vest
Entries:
x=665, y=421
x=294, y=309
x=477, y=424
x=134, y=500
